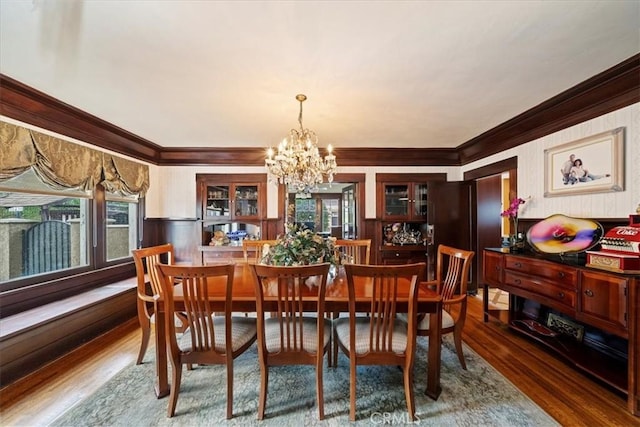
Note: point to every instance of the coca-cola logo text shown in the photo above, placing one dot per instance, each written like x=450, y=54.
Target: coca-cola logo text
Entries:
x=627, y=231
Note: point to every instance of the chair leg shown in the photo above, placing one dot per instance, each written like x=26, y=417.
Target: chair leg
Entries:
x=264, y=380
x=146, y=334
x=176, y=377
x=408, y=392
x=457, y=339
x=320, y=388
x=230, y=390
x=334, y=336
x=352, y=387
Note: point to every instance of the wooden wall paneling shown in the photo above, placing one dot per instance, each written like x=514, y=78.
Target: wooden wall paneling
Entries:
x=153, y=232
x=451, y=213
x=38, y=345
x=26, y=298
x=370, y=231
x=272, y=228
x=185, y=236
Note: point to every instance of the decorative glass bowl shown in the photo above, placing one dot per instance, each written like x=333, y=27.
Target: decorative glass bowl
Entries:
x=561, y=234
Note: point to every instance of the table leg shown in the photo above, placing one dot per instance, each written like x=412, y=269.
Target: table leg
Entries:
x=162, y=381
x=433, y=358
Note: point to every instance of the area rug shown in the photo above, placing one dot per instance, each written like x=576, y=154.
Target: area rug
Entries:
x=479, y=396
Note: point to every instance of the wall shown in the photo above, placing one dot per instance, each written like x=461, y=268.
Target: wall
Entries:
x=597, y=205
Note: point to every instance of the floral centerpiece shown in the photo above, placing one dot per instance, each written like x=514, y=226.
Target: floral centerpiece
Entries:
x=512, y=213
x=300, y=246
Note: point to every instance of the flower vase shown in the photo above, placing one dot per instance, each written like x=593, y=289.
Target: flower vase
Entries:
x=516, y=243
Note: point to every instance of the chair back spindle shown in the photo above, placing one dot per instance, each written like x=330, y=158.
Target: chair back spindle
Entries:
x=353, y=251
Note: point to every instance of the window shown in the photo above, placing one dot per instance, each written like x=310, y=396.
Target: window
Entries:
x=330, y=214
x=41, y=234
x=122, y=226
x=69, y=217
x=47, y=233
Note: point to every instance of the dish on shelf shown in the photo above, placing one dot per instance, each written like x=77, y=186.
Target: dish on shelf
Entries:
x=561, y=234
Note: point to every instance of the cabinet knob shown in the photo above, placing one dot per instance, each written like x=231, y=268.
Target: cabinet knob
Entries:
x=397, y=254
x=561, y=274
x=518, y=281
x=561, y=295
x=588, y=293
x=517, y=264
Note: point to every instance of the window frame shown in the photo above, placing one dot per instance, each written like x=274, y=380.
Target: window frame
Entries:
x=21, y=294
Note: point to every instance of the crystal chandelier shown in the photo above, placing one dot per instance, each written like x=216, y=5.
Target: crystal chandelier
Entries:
x=297, y=163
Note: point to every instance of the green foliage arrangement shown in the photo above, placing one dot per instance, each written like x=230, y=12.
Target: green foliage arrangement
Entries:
x=301, y=246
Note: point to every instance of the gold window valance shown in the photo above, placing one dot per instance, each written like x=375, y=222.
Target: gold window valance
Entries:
x=63, y=164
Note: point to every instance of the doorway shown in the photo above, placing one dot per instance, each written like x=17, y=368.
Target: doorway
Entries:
x=331, y=211
x=492, y=182
x=335, y=209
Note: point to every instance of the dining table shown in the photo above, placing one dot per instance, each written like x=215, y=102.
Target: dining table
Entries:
x=336, y=301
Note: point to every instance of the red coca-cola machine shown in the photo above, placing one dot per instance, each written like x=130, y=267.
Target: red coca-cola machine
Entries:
x=619, y=249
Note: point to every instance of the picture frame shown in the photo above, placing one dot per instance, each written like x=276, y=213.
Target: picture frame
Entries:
x=594, y=164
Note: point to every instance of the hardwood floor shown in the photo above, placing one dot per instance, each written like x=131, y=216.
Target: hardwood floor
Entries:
x=569, y=396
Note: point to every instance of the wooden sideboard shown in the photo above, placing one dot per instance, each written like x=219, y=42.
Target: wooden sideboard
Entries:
x=589, y=317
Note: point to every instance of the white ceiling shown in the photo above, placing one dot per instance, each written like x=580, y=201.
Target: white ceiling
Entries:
x=376, y=73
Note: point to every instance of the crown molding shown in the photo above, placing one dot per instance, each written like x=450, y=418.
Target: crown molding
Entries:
x=615, y=88
x=610, y=90
x=28, y=105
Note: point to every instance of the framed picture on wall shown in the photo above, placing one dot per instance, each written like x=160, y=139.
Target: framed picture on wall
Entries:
x=589, y=165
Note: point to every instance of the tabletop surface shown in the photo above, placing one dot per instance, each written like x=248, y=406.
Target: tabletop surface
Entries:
x=336, y=290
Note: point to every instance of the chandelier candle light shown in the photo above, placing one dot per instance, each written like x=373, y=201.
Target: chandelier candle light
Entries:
x=298, y=163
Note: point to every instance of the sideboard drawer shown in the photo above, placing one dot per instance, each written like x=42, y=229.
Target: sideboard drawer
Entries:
x=555, y=294
x=561, y=275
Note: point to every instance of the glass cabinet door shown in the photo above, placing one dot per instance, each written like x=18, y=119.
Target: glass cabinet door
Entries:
x=245, y=201
x=396, y=200
x=349, y=213
x=420, y=201
x=217, y=201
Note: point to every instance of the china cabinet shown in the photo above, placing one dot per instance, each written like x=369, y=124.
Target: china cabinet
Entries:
x=229, y=208
x=589, y=317
x=404, y=201
x=231, y=201
x=416, y=213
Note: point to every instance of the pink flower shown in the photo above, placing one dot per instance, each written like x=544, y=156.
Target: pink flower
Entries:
x=512, y=212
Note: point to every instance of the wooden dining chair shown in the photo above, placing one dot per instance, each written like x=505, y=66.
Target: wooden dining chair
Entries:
x=253, y=250
x=452, y=278
x=288, y=336
x=353, y=251
x=145, y=260
x=381, y=338
x=210, y=339
x=348, y=252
